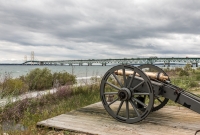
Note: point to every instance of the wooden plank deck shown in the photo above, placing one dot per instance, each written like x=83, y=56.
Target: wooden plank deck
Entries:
x=93, y=119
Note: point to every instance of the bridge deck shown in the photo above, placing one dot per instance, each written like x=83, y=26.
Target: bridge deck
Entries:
x=93, y=119
x=104, y=62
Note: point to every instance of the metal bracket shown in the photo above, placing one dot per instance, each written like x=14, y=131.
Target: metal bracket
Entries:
x=178, y=93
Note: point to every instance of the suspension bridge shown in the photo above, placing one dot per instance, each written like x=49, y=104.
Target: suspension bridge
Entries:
x=166, y=62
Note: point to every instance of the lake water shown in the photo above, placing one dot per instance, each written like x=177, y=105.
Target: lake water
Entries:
x=79, y=71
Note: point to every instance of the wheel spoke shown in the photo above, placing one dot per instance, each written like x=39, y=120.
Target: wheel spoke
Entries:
x=124, y=76
x=117, y=80
x=110, y=93
x=113, y=86
x=138, y=101
x=133, y=76
x=140, y=94
x=127, y=110
x=159, y=100
x=132, y=89
x=113, y=102
x=123, y=90
x=134, y=107
x=119, y=108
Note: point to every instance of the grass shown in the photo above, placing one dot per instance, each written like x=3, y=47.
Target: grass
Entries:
x=189, y=82
x=30, y=111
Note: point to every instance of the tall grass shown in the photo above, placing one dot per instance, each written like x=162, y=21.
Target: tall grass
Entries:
x=185, y=78
x=30, y=111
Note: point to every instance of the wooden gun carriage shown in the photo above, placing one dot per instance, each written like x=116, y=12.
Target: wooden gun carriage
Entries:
x=136, y=93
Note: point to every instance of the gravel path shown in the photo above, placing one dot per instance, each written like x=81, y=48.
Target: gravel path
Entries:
x=34, y=94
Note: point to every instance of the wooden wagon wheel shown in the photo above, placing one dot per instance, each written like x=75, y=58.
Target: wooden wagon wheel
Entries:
x=128, y=93
x=159, y=101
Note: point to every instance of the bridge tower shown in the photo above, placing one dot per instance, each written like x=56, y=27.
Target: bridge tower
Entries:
x=25, y=58
x=32, y=57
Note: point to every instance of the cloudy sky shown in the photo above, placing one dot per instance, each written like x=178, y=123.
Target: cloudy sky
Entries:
x=95, y=29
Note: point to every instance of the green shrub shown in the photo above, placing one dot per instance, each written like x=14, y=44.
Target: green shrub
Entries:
x=3, y=79
x=184, y=73
x=194, y=84
x=178, y=69
x=198, y=77
x=62, y=78
x=13, y=87
x=39, y=79
x=198, y=68
x=166, y=69
x=187, y=67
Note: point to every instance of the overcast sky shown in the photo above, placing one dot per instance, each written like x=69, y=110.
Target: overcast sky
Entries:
x=95, y=29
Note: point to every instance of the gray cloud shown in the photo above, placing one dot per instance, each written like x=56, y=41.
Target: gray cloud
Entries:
x=99, y=29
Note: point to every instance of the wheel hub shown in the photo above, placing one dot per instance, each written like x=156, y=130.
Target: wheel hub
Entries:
x=124, y=94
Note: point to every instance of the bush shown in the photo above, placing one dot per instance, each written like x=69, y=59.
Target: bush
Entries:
x=187, y=67
x=3, y=79
x=198, y=77
x=39, y=79
x=178, y=69
x=198, y=68
x=63, y=78
x=184, y=73
x=194, y=84
x=166, y=69
x=193, y=71
x=13, y=87
x=36, y=79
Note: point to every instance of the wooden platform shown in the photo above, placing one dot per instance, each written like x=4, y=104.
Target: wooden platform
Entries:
x=93, y=119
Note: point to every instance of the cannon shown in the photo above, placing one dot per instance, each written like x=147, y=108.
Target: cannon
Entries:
x=129, y=94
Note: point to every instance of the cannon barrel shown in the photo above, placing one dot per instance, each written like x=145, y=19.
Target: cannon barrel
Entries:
x=153, y=75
